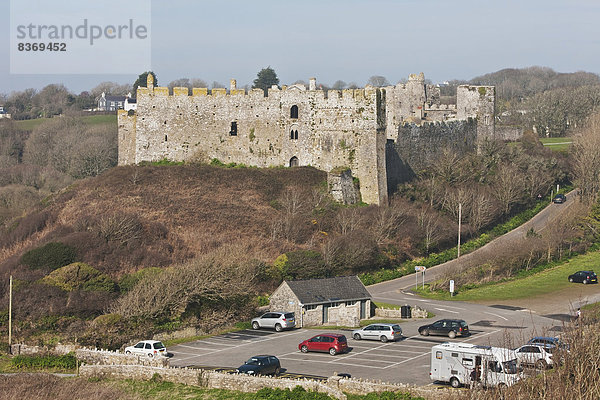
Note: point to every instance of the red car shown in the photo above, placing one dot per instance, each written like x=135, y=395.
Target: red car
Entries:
x=331, y=343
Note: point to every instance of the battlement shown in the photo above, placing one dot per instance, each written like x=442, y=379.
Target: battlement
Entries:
x=332, y=96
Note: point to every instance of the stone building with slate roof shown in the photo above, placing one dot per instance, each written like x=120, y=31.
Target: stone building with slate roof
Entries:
x=330, y=301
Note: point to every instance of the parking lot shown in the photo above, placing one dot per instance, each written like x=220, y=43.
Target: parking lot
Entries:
x=405, y=361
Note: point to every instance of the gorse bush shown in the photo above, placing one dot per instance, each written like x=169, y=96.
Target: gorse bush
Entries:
x=52, y=256
x=65, y=362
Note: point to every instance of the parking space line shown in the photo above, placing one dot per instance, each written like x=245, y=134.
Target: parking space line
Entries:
x=332, y=361
x=247, y=343
x=443, y=309
x=496, y=315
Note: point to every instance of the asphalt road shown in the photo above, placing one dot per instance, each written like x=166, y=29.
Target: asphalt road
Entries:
x=405, y=361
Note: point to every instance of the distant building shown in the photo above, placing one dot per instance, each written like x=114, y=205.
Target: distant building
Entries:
x=3, y=113
x=330, y=301
x=114, y=103
x=130, y=104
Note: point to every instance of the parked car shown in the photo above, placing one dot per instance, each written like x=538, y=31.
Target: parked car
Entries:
x=548, y=341
x=584, y=277
x=537, y=355
x=559, y=198
x=277, y=320
x=331, y=343
x=260, y=365
x=383, y=332
x=150, y=348
x=450, y=327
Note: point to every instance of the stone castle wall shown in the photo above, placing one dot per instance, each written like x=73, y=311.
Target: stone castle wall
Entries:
x=296, y=126
x=343, y=130
x=417, y=146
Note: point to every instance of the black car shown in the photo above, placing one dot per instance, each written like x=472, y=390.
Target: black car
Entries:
x=261, y=365
x=583, y=277
x=559, y=198
x=447, y=327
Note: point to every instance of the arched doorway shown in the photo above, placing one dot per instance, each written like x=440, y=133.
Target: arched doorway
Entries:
x=294, y=162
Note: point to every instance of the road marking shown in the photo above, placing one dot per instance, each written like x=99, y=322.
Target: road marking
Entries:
x=443, y=309
x=270, y=337
x=496, y=315
x=390, y=299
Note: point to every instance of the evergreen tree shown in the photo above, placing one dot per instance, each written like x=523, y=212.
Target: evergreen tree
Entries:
x=265, y=78
x=141, y=81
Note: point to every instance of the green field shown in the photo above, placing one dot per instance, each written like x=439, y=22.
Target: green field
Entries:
x=544, y=282
x=30, y=124
x=557, y=143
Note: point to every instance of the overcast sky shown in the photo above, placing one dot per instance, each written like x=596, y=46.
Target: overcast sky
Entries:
x=349, y=40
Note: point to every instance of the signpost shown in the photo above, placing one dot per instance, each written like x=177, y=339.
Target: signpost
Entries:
x=451, y=287
x=421, y=269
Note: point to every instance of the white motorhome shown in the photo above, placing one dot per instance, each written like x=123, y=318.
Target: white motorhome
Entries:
x=469, y=364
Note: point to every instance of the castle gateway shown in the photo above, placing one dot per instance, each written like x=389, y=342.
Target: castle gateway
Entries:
x=374, y=132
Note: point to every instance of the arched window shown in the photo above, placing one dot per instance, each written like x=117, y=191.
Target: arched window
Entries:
x=233, y=131
x=292, y=134
x=294, y=162
x=296, y=134
x=294, y=112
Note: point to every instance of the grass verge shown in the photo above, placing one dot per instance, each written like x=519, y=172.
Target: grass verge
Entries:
x=534, y=284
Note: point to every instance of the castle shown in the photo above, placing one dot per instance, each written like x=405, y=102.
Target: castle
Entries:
x=375, y=133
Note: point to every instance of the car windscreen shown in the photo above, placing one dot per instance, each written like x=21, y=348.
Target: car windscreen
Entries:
x=396, y=328
x=510, y=367
x=254, y=361
x=289, y=315
x=463, y=324
x=342, y=338
x=159, y=345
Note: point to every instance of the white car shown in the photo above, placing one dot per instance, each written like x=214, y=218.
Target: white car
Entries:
x=537, y=355
x=150, y=348
x=383, y=332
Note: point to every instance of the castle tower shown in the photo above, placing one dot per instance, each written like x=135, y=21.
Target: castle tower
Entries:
x=312, y=84
x=477, y=102
x=150, y=81
x=232, y=85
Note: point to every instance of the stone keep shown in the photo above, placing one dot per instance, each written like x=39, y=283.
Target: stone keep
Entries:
x=291, y=126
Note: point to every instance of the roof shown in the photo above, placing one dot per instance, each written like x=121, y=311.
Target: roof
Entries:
x=115, y=98
x=316, y=291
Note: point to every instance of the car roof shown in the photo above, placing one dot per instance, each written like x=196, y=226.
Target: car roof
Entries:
x=383, y=323
x=547, y=338
x=262, y=356
x=330, y=334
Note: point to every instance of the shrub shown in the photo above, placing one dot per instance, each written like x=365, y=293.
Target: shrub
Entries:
x=52, y=256
x=65, y=362
x=297, y=393
x=80, y=276
x=128, y=281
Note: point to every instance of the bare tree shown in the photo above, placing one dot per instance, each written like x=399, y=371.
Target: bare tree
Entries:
x=586, y=159
x=348, y=220
x=378, y=81
x=428, y=222
x=508, y=187
x=339, y=85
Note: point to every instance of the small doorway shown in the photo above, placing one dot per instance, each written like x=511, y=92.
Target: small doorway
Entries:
x=325, y=313
x=294, y=162
x=363, y=309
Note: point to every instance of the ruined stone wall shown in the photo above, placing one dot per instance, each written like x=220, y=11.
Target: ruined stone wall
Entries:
x=342, y=130
x=477, y=102
x=416, y=147
x=341, y=186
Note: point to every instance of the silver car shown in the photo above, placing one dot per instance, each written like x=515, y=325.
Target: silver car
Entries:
x=277, y=320
x=383, y=332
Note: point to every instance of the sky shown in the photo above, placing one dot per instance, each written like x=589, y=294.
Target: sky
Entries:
x=331, y=40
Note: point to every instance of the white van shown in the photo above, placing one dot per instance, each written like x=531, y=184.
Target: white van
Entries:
x=469, y=364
